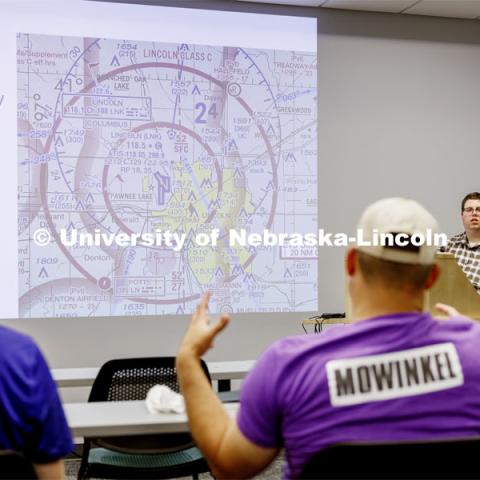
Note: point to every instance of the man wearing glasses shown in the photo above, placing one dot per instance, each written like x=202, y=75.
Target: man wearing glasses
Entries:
x=466, y=246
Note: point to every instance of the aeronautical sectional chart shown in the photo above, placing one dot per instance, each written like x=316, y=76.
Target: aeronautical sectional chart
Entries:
x=118, y=136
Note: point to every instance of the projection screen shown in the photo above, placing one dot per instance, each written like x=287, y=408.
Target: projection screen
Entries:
x=153, y=153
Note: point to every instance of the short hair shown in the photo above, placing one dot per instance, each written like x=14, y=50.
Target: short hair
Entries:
x=399, y=276
x=470, y=196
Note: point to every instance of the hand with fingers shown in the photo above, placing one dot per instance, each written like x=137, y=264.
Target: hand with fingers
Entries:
x=447, y=310
x=201, y=334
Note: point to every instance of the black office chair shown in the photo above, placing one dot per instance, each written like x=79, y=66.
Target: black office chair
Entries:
x=146, y=456
x=14, y=466
x=437, y=459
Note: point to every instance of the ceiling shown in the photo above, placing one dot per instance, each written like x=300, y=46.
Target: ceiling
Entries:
x=437, y=8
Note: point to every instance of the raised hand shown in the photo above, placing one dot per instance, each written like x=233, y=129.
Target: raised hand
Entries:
x=201, y=334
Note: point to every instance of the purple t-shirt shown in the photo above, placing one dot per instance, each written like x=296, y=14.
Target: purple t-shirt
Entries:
x=31, y=415
x=399, y=377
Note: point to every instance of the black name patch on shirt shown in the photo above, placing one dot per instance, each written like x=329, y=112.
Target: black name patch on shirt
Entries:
x=394, y=375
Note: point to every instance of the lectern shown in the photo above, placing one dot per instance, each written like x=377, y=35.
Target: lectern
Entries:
x=453, y=288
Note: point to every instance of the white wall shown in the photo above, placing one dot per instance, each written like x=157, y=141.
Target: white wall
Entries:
x=399, y=109
x=399, y=115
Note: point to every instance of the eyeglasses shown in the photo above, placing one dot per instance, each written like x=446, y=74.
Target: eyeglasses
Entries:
x=470, y=210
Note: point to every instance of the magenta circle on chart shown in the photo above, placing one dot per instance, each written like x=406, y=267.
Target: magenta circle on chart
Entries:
x=106, y=76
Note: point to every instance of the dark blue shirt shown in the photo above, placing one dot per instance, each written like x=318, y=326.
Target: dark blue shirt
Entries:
x=31, y=415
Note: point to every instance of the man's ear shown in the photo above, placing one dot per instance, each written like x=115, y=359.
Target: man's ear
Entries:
x=351, y=261
x=432, y=276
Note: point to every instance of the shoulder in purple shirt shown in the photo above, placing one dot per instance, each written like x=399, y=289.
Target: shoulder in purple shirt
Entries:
x=31, y=415
x=399, y=377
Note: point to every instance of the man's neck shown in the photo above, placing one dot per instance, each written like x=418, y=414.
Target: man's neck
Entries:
x=473, y=237
x=384, y=302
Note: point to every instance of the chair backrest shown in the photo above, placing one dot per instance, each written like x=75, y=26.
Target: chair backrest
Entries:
x=14, y=465
x=436, y=459
x=131, y=379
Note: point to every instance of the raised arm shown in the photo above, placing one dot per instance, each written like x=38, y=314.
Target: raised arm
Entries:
x=229, y=453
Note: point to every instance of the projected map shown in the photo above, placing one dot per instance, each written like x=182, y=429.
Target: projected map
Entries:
x=120, y=136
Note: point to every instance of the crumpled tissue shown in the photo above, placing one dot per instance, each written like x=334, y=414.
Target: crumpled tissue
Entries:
x=162, y=399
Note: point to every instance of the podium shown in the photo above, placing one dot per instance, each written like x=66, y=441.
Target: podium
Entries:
x=453, y=288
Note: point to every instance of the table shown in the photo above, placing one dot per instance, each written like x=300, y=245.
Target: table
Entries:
x=125, y=418
x=84, y=377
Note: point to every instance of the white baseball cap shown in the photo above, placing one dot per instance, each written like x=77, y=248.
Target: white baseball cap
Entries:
x=407, y=222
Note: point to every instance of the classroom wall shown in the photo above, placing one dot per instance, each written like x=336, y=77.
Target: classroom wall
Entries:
x=399, y=113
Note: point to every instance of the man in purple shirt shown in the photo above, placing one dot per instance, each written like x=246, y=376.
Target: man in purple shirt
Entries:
x=31, y=415
x=396, y=373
